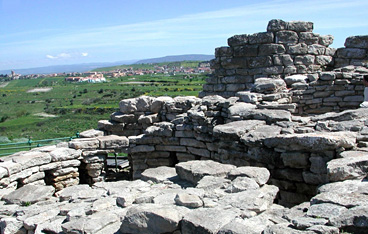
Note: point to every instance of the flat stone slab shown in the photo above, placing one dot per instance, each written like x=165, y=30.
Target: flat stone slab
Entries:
x=113, y=142
x=78, y=192
x=314, y=142
x=347, y=168
x=259, y=174
x=29, y=194
x=151, y=218
x=205, y=220
x=234, y=130
x=159, y=174
x=194, y=171
x=91, y=133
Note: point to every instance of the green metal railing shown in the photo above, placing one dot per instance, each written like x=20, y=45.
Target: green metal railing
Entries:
x=30, y=144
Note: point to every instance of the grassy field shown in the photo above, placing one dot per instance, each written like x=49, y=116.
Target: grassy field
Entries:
x=68, y=108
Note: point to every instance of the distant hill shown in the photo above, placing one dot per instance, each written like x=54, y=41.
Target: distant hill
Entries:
x=64, y=68
x=177, y=58
x=92, y=66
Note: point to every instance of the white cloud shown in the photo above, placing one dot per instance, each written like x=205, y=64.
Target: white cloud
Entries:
x=51, y=57
x=67, y=55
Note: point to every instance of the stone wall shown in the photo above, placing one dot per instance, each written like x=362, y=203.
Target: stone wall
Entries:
x=286, y=50
x=256, y=127
x=294, y=149
x=66, y=164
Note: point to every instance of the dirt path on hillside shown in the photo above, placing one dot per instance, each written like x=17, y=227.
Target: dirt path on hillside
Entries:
x=47, y=89
x=3, y=85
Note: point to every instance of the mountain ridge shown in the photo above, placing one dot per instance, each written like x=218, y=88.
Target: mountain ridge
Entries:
x=177, y=58
x=83, y=67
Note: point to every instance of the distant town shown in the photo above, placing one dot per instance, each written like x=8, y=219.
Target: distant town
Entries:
x=97, y=77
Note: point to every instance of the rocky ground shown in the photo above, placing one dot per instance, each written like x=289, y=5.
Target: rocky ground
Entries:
x=193, y=197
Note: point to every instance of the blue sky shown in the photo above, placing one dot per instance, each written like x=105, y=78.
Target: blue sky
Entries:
x=44, y=32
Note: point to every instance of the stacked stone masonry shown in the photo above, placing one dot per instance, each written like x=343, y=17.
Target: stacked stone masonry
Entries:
x=251, y=132
x=286, y=50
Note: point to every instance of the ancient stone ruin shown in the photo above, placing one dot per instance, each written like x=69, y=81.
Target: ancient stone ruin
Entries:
x=276, y=143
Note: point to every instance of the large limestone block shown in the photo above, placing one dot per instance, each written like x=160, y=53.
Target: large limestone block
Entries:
x=275, y=25
x=206, y=220
x=80, y=192
x=261, y=132
x=113, y=142
x=347, y=168
x=295, y=79
x=160, y=129
x=240, y=107
x=91, y=133
x=258, y=174
x=357, y=42
x=84, y=143
x=287, y=37
x=241, y=184
x=257, y=200
x=353, y=220
x=32, y=222
x=3, y=172
x=347, y=200
x=128, y=106
x=90, y=224
x=300, y=26
x=122, y=118
x=284, y=228
x=159, y=174
x=194, y=171
x=188, y=200
x=234, y=130
x=10, y=225
x=248, y=111
x=159, y=102
x=236, y=40
x=11, y=167
x=209, y=183
x=63, y=154
x=29, y=194
x=314, y=142
x=269, y=85
x=32, y=159
x=325, y=210
x=151, y=218
x=143, y=103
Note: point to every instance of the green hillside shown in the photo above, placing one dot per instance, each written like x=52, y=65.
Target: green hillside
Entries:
x=189, y=64
x=70, y=107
